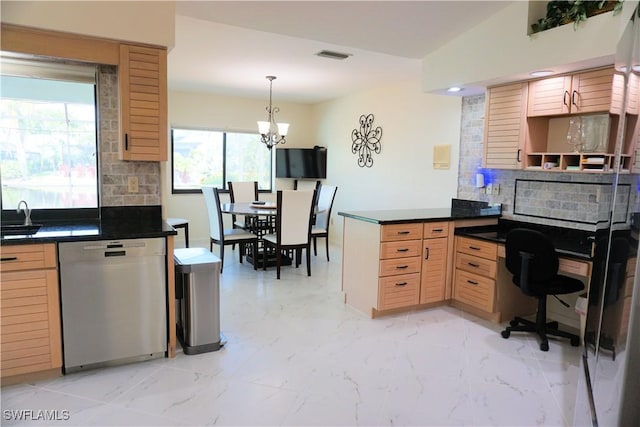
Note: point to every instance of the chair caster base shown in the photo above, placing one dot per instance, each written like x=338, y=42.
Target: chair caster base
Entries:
x=505, y=334
x=544, y=346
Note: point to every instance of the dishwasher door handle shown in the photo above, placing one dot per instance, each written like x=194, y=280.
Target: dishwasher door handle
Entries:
x=115, y=245
x=115, y=253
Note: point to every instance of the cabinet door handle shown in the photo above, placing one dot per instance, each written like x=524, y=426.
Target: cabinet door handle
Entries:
x=9, y=258
x=426, y=250
x=471, y=282
x=403, y=232
x=564, y=98
x=401, y=283
x=518, y=158
x=126, y=142
x=473, y=264
x=573, y=97
x=402, y=250
x=402, y=267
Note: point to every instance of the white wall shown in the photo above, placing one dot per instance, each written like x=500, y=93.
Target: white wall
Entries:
x=402, y=175
x=499, y=49
x=149, y=22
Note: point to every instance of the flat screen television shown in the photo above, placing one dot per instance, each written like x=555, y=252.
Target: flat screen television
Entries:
x=310, y=163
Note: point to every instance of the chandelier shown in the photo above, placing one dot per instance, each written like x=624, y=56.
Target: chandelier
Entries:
x=272, y=133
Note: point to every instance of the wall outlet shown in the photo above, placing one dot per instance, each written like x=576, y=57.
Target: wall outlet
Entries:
x=495, y=190
x=488, y=189
x=133, y=184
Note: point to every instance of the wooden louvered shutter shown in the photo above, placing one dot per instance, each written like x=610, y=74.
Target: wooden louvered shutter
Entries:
x=143, y=103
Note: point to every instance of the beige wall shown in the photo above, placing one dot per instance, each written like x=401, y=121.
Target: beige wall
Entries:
x=402, y=175
x=150, y=22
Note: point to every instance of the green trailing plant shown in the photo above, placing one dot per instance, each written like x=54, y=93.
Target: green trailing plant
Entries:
x=562, y=12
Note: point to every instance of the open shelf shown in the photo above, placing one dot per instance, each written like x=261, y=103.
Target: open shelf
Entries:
x=576, y=162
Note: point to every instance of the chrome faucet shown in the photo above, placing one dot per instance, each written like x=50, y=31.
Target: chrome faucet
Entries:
x=26, y=210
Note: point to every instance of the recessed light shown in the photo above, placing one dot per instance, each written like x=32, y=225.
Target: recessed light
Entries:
x=541, y=73
x=454, y=89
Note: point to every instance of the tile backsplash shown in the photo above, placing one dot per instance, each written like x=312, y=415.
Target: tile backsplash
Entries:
x=115, y=173
x=578, y=200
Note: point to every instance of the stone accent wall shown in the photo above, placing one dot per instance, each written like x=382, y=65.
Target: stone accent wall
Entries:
x=555, y=198
x=114, y=173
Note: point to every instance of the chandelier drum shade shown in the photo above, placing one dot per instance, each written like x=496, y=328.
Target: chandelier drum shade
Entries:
x=272, y=133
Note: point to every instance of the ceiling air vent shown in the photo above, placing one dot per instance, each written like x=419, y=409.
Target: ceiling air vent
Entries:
x=333, y=55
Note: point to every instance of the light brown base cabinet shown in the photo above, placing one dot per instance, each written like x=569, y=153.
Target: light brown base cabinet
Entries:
x=30, y=339
x=475, y=273
x=386, y=268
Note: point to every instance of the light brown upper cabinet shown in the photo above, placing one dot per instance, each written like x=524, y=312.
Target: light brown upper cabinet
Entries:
x=505, y=124
x=143, y=103
x=579, y=93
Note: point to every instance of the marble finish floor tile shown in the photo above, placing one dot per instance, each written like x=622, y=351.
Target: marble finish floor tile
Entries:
x=296, y=355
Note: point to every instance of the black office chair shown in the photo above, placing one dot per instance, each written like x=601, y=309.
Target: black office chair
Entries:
x=533, y=261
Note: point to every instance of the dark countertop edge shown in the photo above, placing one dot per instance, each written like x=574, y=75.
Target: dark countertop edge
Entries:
x=165, y=231
x=354, y=215
x=473, y=233
x=58, y=239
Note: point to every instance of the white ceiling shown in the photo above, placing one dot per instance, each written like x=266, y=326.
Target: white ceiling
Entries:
x=228, y=47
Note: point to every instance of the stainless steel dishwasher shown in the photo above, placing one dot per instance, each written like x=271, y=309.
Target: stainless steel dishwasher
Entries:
x=113, y=301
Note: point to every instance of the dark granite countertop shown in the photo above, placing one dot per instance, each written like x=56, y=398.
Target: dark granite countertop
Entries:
x=460, y=209
x=115, y=223
x=567, y=241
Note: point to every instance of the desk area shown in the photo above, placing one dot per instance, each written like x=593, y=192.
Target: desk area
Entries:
x=575, y=248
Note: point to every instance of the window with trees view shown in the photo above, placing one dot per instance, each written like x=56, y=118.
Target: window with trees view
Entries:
x=209, y=157
x=48, y=142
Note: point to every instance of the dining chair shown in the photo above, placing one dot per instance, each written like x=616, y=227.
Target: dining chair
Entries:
x=242, y=192
x=323, y=216
x=294, y=213
x=222, y=237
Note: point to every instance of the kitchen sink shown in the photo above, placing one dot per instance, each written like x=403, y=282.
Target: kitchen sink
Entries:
x=19, y=229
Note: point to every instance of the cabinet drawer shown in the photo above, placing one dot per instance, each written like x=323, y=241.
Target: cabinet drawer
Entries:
x=477, y=247
x=473, y=264
x=474, y=290
x=435, y=229
x=401, y=249
x=401, y=232
x=395, y=266
x=398, y=291
x=28, y=257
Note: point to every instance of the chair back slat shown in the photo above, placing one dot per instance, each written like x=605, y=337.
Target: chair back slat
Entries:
x=325, y=203
x=212, y=199
x=243, y=191
x=294, y=216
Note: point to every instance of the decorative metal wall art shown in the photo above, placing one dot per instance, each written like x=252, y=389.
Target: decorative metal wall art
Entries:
x=366, y=140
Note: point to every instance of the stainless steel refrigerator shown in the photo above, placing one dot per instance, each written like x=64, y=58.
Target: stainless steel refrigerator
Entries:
x=609, y=385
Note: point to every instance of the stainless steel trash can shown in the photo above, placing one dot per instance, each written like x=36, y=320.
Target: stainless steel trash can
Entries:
x=197, y=300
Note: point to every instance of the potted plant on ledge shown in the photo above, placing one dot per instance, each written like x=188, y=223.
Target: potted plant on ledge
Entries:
x=576, y=11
